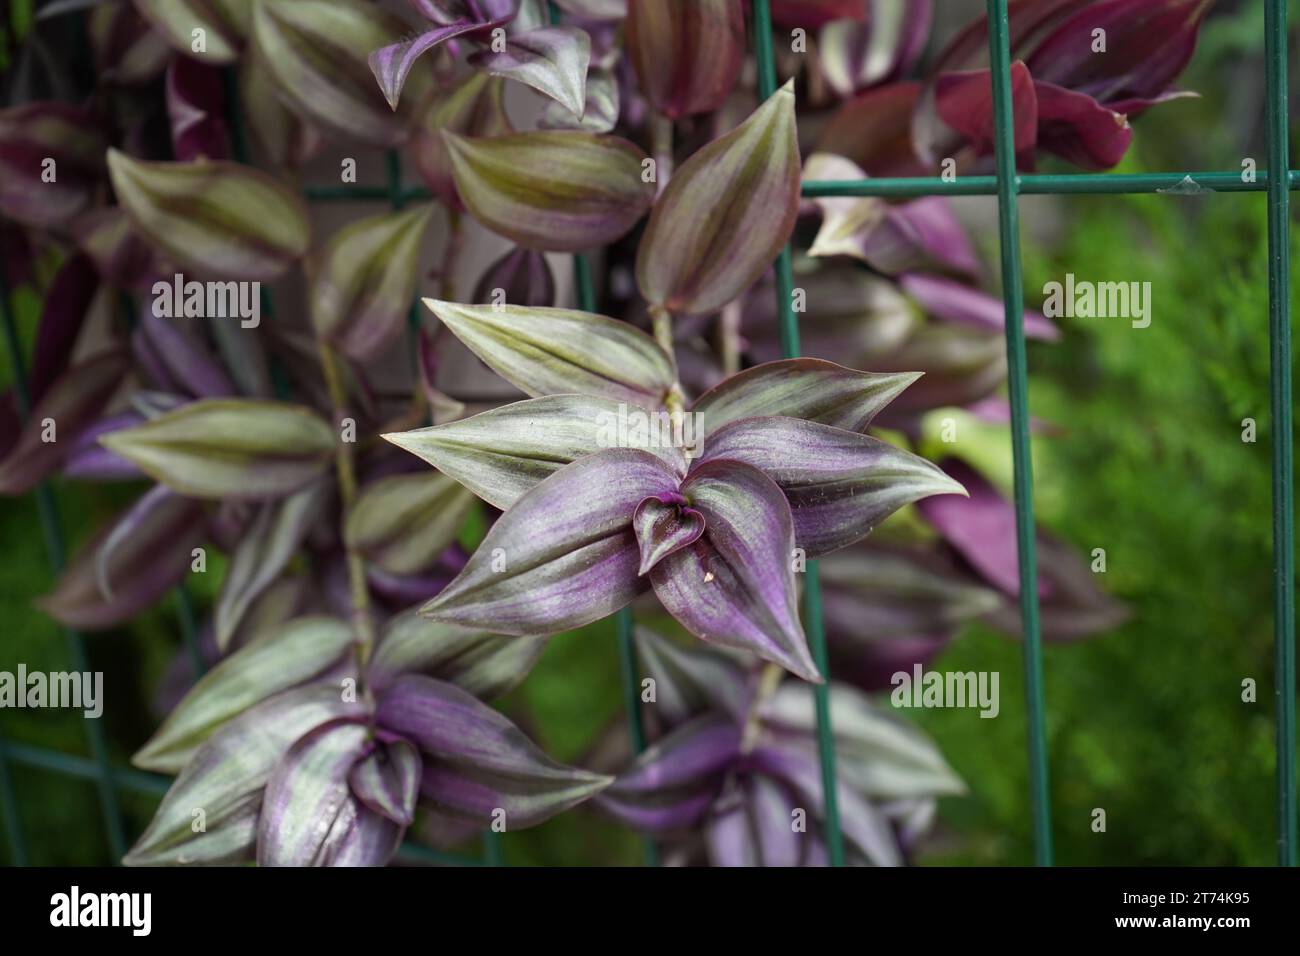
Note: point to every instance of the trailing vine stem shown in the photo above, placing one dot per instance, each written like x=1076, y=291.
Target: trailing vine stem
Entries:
x=675, y=401
x=345, y=471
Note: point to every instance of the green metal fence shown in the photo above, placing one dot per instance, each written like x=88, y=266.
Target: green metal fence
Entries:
x=1007, y=185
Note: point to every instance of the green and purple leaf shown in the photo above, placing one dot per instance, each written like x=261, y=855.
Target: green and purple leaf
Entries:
x=735, y=585
x=725, y=215
x=502, y=453
x=226, y=780
x=564, y=555
x=363, y=281
x=215, y=219
x=310, y=816
x=562, y=351
x=687, y=53
x=810, y=389
x=556, y=191
x=553, y=61
x=37, y=139
x=230, y=448
x=298, y=653
x=477, y=763
x=318, y=53
x=404, y=522
x=839, y=484
x=485, y=665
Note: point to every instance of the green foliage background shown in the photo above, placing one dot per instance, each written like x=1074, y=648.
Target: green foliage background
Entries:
x=1146, y=723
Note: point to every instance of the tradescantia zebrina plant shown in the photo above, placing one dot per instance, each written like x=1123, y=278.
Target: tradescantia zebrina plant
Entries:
x=367, y=615
x=777, y=469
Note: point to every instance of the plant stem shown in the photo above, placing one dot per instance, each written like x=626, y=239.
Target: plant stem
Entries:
x=675, y=400
x=661, y=144
x=345, y=470
x=450, y=257
x=729, y=331
x=768, y=681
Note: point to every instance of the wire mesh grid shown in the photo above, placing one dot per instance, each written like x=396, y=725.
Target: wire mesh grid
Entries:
x=1007, y=185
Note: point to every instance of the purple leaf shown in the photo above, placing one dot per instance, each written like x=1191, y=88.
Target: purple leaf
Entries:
x=874, y=130
x=695, y=678
x=1148, y=43
x=196, y=106
x=565, y=555
x=122, y=257
x=552, y=60
x=562, y=351
x=1077, y=128
x=752, y=826
x=952, y=301
x=984, y=534
x=687, y=53
x=895, y=238
x=673, y=783
x=600, y=110
x=230, y=448
x=520, y=277
x=474, y=108
x=263, y=552
x=482, y=664
x=223, y=23
x=477, y=762
x=553, y=190
x=285, y=138
x=387, y=780
x=70, y=404
x=178, y=346
x=215, y=219
x=885, y=45
x=88, y=460
x=309, y=815
x=664, y=523
x=32, y=137
x=839, y=484
x=129, y=525
x=965, y=102
x=364, y=279
x=725, y=214
x=147, y=563
x=392, y=64
x=1076, y=607
x=128, y=51
x=67, y=303
x=226, y=779
x=317, y=51
x=735, y=585
x=404, y=522
x=810, y=389
x=502, y=453
x=982, y=527
x=863, y=825
x=292, y=655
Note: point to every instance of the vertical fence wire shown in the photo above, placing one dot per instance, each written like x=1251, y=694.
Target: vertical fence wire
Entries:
x=813, y=625
x=1279, y=322
x=54, y=545
x=1018, y=382
x=624, y=624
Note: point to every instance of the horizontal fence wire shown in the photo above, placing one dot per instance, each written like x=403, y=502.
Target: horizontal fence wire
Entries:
x=1006, y=185
x=1029, y=184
